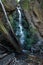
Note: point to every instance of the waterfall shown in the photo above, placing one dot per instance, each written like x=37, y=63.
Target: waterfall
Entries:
x=18, y=0
x=20, y=26
x=3, y=8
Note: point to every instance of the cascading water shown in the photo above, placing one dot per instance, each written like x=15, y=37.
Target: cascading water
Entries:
x=18, y=0
x=20, y=26
x=22, y=29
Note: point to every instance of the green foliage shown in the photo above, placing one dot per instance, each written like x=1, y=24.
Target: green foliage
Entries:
x=41, y=3
x=32, y=30
x=11, y=19
x=3, y=0
x=2, y=28
x=25, y=4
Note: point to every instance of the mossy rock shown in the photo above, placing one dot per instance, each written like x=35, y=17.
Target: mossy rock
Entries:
x=9, y=4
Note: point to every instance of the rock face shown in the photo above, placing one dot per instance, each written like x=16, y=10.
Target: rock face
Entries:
x=36, y=14
x=9, y=4
x=38, y=19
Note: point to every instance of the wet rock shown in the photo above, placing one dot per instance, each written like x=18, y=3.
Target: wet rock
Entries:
x=38, y=48
x=35, y=50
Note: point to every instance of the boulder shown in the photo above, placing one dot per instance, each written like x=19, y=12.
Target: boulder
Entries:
x=9, y=4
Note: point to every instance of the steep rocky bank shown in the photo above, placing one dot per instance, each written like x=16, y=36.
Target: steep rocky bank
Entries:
x=35, y=56
x=35, y=13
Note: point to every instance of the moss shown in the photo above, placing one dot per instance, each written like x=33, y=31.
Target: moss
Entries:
x=2, y=28
x=11, y=19
x=3, y=0
x=33, y=30
x=25, y=4
x=42, y=5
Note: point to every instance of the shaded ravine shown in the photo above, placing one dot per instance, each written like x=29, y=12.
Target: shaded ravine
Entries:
x=22, y=29
x=25, y=36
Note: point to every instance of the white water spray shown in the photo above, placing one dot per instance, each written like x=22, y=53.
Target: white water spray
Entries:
x=20, y=26
x=18, y=0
